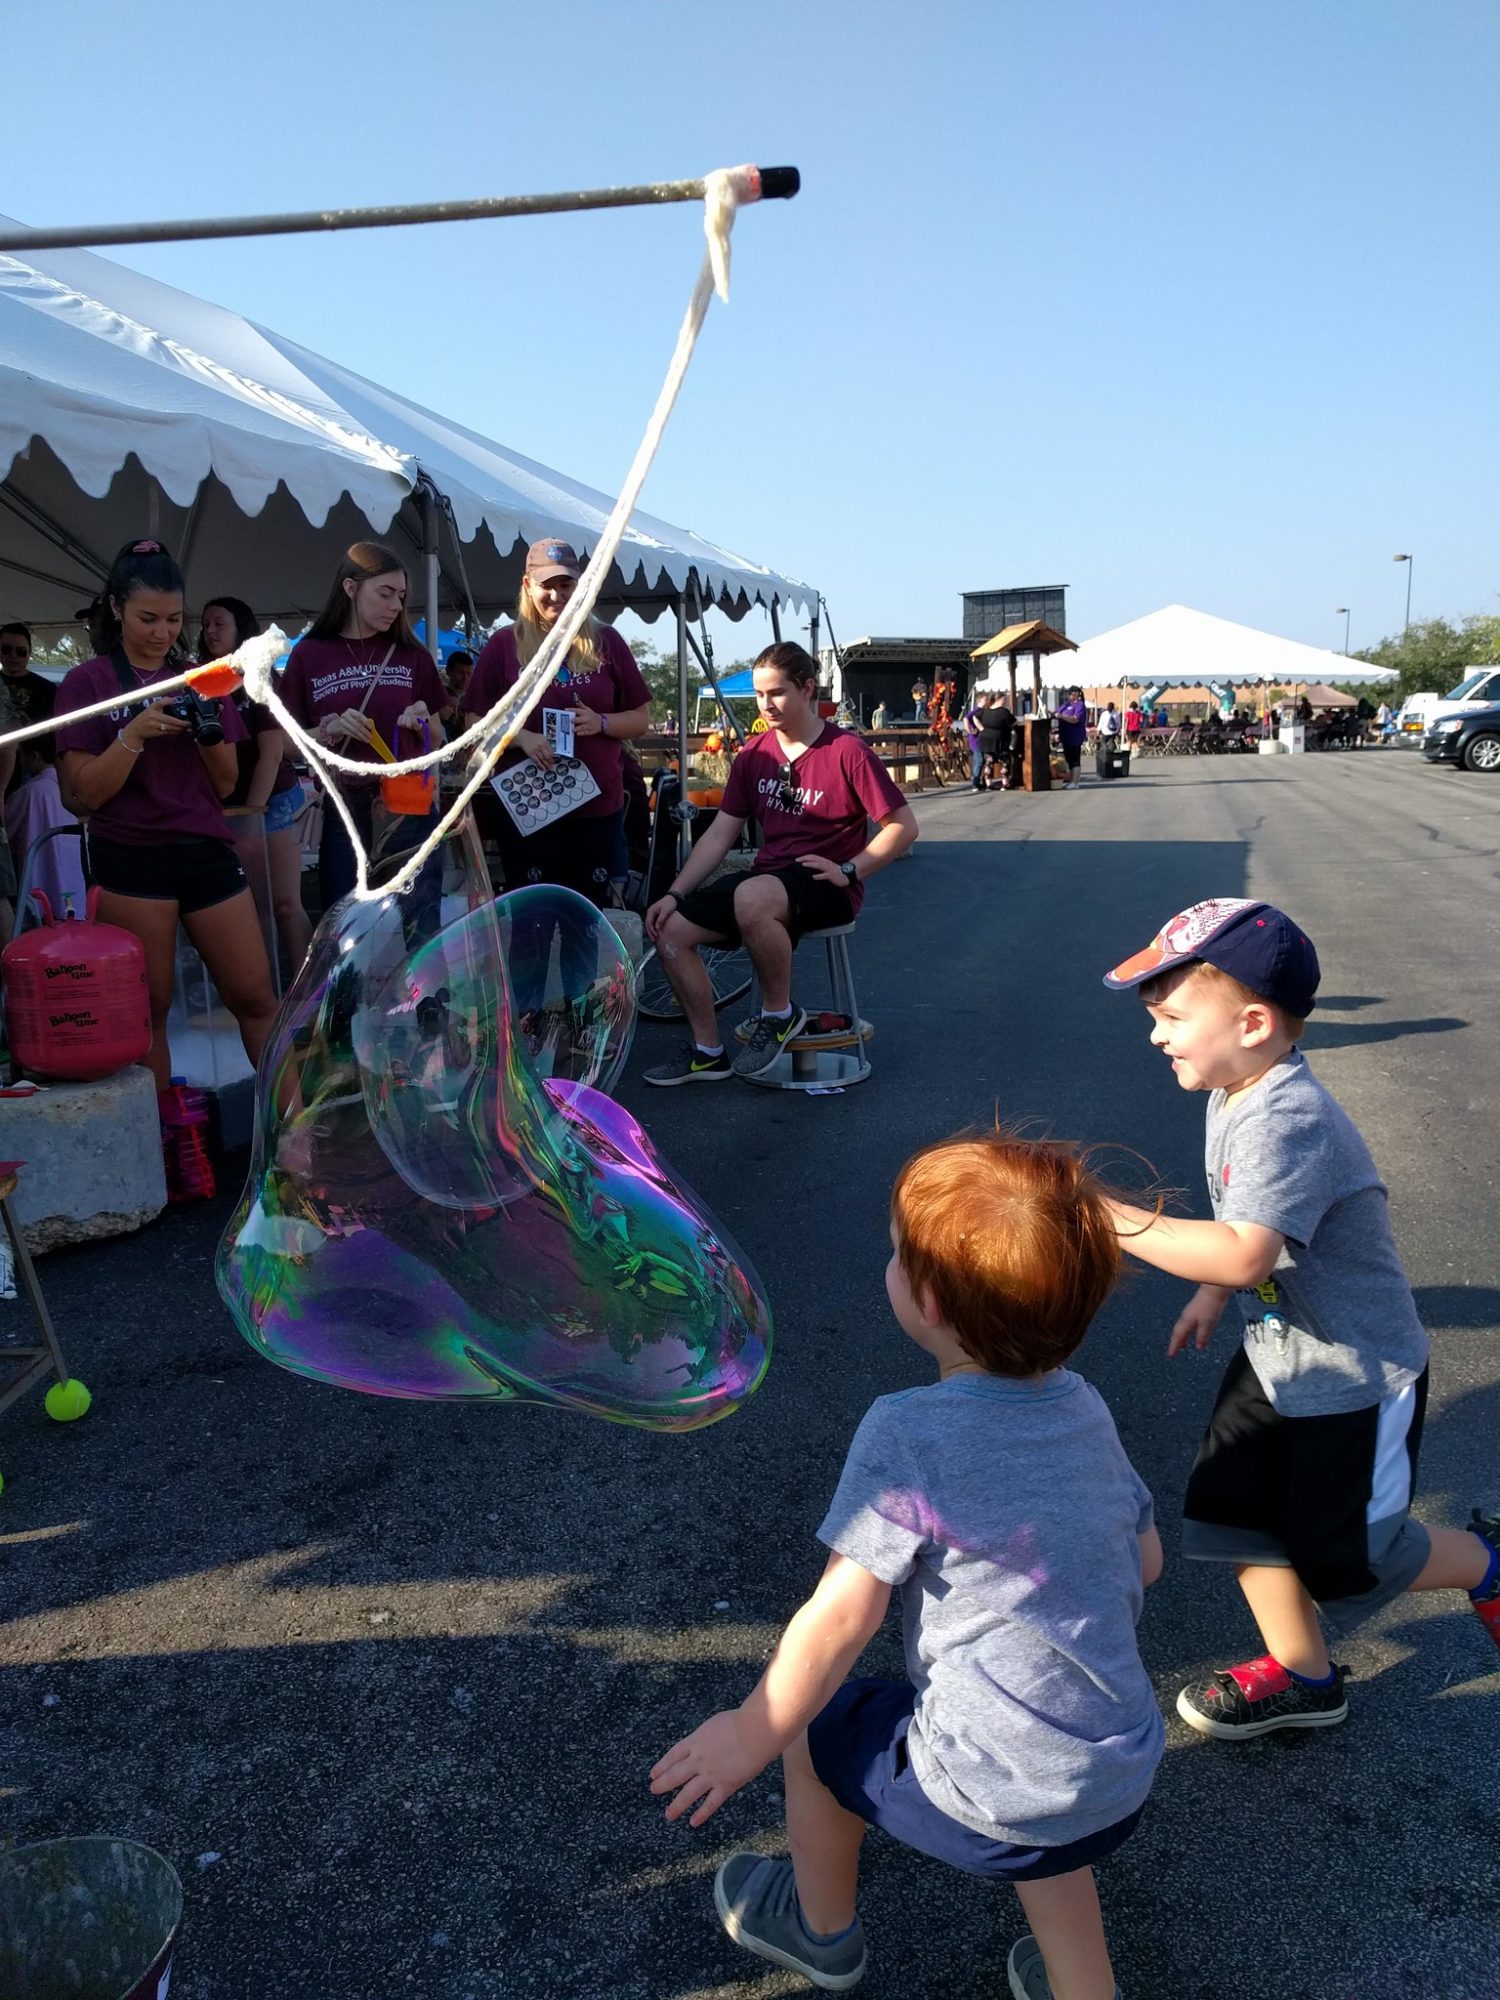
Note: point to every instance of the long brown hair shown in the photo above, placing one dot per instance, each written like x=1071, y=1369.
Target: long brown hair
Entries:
x=363, y=561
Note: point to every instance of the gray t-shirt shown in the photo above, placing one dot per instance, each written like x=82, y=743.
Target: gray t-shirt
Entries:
x=1334, y=1327
x=1007, y=1513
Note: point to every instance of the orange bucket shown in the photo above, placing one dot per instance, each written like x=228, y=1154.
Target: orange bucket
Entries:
x=411, y=791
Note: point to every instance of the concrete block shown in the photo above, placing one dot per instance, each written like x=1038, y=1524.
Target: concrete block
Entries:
x=93, y=1159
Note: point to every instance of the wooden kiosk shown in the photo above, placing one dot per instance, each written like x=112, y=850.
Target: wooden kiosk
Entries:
x=1035, y=733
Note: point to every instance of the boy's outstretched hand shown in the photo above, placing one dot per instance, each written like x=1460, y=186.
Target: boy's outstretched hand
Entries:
x=708, y=1767
x=1199, y=1317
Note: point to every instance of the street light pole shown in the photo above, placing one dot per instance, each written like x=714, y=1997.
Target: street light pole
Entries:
x=1407, y=560
x=1342, y=611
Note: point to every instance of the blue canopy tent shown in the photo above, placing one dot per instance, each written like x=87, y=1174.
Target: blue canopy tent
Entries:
x=740, y=686
x=448, y=641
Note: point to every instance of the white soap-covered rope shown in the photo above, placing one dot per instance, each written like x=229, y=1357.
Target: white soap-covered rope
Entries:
x=151, y=691
x=491, y=735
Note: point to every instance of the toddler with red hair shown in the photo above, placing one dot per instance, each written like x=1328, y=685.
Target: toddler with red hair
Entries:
x=999, y=1501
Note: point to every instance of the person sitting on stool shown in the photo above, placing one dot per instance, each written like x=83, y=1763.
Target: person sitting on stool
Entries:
x=814, y=789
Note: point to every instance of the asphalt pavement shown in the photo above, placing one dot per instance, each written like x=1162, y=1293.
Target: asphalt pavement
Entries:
x=384, y=1679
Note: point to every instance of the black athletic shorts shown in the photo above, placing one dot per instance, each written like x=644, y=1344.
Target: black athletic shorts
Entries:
x=194, y=874
x=1326, y=1496
x=814, y=905
x=1072, y=755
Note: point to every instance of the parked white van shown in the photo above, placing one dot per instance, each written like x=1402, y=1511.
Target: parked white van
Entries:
x=1420, y=711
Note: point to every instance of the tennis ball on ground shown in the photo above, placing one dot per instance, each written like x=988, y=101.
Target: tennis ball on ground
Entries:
x=66, y=1401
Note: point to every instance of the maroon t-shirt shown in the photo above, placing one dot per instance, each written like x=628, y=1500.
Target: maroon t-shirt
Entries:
x=168, y=794
x=326, y=676
x=836, y=786
x=614, y=686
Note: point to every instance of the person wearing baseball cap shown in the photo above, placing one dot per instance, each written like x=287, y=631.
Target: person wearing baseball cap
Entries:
x=610, y=704
x=1304, y=1479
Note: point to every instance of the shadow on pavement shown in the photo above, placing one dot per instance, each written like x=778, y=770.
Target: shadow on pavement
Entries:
x=1321, y=1034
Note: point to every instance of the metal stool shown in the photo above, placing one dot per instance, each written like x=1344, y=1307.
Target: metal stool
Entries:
x=820, y=1061
x=33, y=1362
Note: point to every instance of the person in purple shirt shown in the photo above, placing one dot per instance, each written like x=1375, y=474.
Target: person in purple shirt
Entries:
x=151, y=783
x=1072, y=719
x=359, y=673
x=815, y=790
x=602, y=688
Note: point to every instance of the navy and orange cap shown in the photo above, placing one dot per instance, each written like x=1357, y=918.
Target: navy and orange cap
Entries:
x=1254, y=943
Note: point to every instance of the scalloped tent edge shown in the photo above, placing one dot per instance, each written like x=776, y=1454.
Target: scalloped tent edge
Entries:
x=128, y=406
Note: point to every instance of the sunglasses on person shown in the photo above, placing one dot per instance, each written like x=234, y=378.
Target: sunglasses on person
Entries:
x=786, y=789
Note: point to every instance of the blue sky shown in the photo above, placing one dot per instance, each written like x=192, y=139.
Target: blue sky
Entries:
x=1173, y=300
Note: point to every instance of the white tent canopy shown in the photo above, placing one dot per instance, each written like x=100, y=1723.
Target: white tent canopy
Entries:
x=129, y=407
x=1178, y=647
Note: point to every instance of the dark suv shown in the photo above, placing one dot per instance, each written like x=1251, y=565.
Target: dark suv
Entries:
x=1472, y=740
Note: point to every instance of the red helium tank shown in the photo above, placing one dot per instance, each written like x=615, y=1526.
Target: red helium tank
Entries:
x=75, y=997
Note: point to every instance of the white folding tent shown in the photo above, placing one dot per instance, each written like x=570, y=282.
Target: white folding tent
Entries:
x=1179, y=647
x=129, y=407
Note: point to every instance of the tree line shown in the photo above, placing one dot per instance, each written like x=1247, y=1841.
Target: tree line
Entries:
x=1433, y=655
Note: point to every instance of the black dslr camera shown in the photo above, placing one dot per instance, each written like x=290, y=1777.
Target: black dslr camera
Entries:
x=191, y=707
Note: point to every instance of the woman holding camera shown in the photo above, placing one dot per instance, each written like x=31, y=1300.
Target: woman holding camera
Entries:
x=267, y=785
x=360, y=676
x=152, y=779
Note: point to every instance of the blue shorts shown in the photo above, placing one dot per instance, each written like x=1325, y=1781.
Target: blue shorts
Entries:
x=283, y=807
x=858, y=1748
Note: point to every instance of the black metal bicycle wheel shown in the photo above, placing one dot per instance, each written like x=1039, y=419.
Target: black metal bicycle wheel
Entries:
x=729, y=973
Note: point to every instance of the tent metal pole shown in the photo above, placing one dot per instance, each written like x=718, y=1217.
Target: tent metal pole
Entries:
x=684, y=809
x=430, y=572
x=53, y=532
x=705, y=660
x=471, y=615
x=768, y=184
x=775, y=621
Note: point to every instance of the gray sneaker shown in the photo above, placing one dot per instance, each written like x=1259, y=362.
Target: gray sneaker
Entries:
x=767, y=1040
x=690, y=1066
x=757, y=1903
x=1028, y=1974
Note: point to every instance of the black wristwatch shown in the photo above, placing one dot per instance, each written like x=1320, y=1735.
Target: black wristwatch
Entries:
x=850, y=872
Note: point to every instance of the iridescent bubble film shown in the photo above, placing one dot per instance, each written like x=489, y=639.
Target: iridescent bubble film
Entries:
x=429, y=1216
x=571, y=984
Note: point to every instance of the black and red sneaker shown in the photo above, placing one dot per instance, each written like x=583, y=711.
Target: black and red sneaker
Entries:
x=1258, y=1696
x=1487, y=1527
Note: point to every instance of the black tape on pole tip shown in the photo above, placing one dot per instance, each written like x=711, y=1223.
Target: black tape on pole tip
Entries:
x=779, y=183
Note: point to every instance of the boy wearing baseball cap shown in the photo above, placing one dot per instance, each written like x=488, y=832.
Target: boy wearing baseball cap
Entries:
x=1304, y=1479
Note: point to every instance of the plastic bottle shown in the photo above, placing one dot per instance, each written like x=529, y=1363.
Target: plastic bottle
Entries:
x=184, y=1138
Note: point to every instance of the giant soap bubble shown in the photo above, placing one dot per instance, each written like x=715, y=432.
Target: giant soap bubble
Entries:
x=429, y=1216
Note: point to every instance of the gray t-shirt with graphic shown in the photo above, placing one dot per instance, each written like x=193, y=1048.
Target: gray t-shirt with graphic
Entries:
x=1007, y=1513
x=1334, y=1327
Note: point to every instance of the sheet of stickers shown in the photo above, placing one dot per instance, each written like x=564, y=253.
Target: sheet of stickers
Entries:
x=535, y=798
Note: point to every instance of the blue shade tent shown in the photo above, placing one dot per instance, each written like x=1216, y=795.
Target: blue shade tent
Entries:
x=733, y=687
x=448, y=641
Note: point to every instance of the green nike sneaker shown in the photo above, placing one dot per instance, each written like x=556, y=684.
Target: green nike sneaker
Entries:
x=690, y=1066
